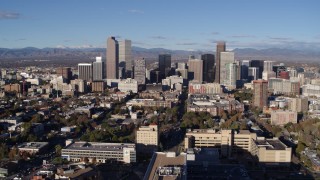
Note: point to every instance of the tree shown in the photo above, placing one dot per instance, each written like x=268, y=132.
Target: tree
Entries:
x=58, y=149
x=13, y=153
x=300, y=147
x=86, y=160
x=3, y=151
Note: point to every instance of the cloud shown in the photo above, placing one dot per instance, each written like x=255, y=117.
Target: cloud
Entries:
x=280, y=38
x=21, y=39
x=136, y=11
x=158, y=37
x=78, y=46
x=9, y=15
x=242, y=36
x=214, y=33
x=186, y=44
x=67, y=40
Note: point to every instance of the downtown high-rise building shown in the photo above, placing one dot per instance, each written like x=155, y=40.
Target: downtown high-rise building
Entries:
x=225, y=58
x=258, y=64
x=164, y=65
x=245, y=64
x=85, y=71
x=112, y=61
x=221, y=47
x=253, y=73
x=260, y=93
x=125, y=57
x=65, y=72
x=97, y=73
x=268, y=70
x=208, y=67
x=195, y=70
x=231, y=75
x=140, y=71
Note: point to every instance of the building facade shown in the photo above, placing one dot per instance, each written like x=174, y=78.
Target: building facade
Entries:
x=260, y=93
x=85, y=71
x=112, y=61
x=221, y=47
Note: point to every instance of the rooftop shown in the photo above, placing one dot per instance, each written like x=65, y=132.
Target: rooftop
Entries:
x=33, y=145
x=271, y=144
x=97, y=146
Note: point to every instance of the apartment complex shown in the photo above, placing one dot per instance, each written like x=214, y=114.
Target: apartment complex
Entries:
x=149, y=103
x=147, y=138
x=101, y=152
x=281, y=117
x=209, y=88
x=260, y=93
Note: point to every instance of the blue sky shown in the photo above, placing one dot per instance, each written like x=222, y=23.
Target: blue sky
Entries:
x=172, y=24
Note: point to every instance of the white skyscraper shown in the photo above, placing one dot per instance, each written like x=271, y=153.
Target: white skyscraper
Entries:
x=231, y=75
x=225, y=58
x=267, y=70
x=253, y=73
x=97, y=72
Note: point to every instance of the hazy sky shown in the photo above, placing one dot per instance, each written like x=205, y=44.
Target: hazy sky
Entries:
x=173, y=24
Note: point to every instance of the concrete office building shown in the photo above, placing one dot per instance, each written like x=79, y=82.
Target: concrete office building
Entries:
x=65, y=72
x=283, y=86
x=311, y=90
x=298, y=104
x=147, y=138
x=112, y=61
x=32, y=147
x=164, y=65
x=98, y=86
x=128, y=85
x=227, y=140
x=268, y=151
x=195, y=71
x=208, y=67
x=281, y=117
x=101, y=152
x=85, y=71
x=271, y=151
x=140, y=71
x=97, y=71
x=221, y=47
x=253, y=73
x=225, y=58
x=125, y=57
x=79, y=85
x=268, y=70
x=260, y=93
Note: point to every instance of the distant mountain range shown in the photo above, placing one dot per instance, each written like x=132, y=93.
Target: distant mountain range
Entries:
x=276, y=54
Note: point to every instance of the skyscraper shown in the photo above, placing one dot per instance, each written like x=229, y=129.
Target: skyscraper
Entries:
x=112, y=61
x=208, y=67
x=245, y=64
x=65, y=72
x=195, y=70
x=85, y=71
x=231, y=75
x=267, y=70
x=140, y=71
x=164, y=65
x=225, y=58
x=258, y=64
x=125, y=57
x=97, y=73
x=221, y=47
x=253, y=73
x=260, y=93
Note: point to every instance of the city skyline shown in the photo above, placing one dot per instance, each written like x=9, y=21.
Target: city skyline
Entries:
x=187, y=26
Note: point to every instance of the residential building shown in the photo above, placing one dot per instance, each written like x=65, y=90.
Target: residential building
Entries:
x=231, y=75
x=149, y=103
x=283, y=86
x=282, y=117
x=147, y=138
x=260, y=93
x=298, y=104
x=32, y=147
x=97, y=86
x=311, y=90
x=99, y=152
x=208, y=88
x=65, y=72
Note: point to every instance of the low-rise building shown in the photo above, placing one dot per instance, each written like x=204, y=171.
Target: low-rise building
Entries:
x=99, y=152
x=147, y=138
x=282, y=117
x=32, y=147
x=149, y=103
x=128, y=85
